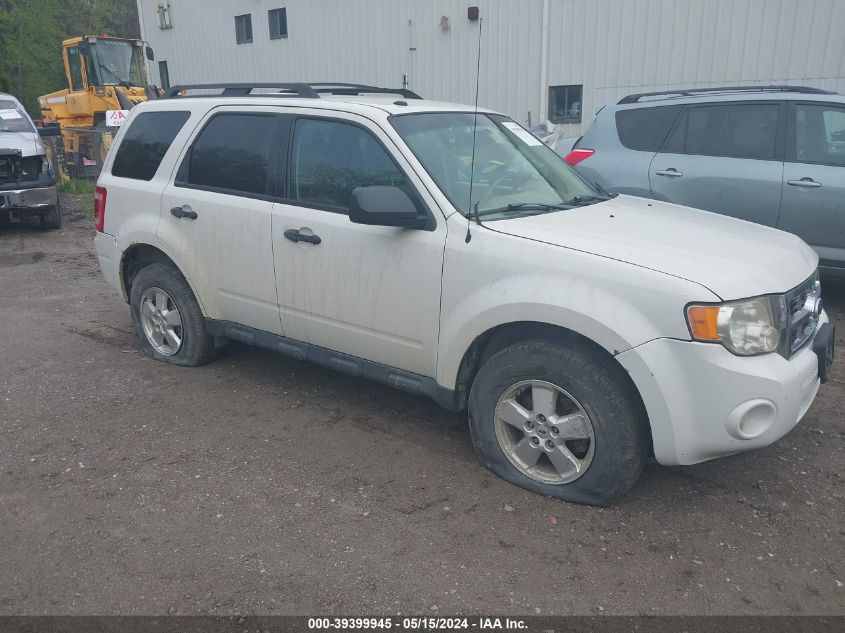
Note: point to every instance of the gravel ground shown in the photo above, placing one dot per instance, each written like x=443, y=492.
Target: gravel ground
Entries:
x=260, y=484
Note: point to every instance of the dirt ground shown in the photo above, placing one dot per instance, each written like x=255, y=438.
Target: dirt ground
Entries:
x=260, y=484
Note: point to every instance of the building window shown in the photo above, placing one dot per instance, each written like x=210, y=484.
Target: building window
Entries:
x=164, y=19
x=243, y=28
x=278, y=23
x=163, y=75
x=565, y=104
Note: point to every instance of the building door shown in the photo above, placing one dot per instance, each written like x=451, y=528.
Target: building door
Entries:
x=164, y=75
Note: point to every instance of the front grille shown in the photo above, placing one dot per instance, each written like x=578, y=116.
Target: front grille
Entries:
x=803, y=306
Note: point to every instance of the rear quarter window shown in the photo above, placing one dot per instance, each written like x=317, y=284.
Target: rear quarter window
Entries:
x=145, y=143
x=645, y=129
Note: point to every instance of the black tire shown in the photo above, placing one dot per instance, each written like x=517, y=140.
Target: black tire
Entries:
x=618, y=418
x=52, y=218
x=197, y=346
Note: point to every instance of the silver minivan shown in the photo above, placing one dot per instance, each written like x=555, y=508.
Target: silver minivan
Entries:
x=774, y=155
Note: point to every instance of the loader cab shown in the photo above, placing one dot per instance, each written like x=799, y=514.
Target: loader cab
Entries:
x=100, y=62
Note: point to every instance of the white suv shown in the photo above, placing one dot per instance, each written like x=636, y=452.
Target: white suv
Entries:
x=447, y=252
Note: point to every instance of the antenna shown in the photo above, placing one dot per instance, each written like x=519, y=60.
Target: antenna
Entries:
x=474, y=129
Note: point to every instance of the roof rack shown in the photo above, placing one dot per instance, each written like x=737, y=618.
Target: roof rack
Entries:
x=301, y=90
x=696, y=91
x=358, y=89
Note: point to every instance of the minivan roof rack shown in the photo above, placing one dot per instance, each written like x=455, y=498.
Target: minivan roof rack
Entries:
x=302, y=90
x=682, y=92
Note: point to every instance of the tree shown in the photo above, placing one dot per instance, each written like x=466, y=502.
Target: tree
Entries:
x=31, y=34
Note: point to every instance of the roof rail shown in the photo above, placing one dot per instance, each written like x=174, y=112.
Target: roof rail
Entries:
x=684, y=92
x=358, y=89
x=245, y=90
x=302, y=90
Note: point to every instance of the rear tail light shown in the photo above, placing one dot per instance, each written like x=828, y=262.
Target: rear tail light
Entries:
x=99, y=208
x=578, y=154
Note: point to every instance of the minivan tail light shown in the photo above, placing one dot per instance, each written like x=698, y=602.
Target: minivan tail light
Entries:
x=99, y=208
x=578, y=154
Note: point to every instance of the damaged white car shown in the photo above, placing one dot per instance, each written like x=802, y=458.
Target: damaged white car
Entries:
x=27, y=179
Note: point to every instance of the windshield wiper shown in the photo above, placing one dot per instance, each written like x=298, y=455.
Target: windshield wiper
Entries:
x=120, y=82
x=525, y=206
x=579, y=201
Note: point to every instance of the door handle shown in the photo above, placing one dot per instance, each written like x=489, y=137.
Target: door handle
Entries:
x=184, y=212
x=804, y=182
x=294, y=235
x=671, y=172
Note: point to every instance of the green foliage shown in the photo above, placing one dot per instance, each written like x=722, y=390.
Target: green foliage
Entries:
x=31, y=34
x=77, y=186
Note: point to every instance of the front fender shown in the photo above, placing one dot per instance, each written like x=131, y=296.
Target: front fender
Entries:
x=498, y=279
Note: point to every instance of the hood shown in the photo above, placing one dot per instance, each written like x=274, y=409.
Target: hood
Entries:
x=28, y=142
x=732, y=258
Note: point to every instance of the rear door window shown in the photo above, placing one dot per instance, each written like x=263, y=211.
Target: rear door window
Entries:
x=732, y=130
x=146, y=142
x=645, y=129
x=232, y=154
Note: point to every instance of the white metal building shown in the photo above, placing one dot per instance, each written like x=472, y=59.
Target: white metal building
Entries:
x=540, y=59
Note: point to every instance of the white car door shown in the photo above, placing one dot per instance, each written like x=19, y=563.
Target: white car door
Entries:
x=368, y=291
x=216, y=213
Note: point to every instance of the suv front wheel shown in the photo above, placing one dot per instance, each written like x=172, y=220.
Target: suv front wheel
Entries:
x=559, y=420
x=168, y=321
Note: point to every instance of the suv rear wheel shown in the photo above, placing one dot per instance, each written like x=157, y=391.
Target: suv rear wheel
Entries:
x=168, y=321
x=559, y=420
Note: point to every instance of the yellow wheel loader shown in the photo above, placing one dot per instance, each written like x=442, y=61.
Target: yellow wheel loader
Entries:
x=103, y=73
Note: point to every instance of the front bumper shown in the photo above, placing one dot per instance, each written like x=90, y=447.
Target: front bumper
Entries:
x=33, y=200
x=704, y=402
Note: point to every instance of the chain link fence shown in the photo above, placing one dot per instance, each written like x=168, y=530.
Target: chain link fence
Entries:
x=78, y=154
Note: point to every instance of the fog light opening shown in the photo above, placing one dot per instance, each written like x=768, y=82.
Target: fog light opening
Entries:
x=751, y=419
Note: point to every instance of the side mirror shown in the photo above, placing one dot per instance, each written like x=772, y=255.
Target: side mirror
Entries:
x=52, y=129
x=150, y=55
x=385, y=206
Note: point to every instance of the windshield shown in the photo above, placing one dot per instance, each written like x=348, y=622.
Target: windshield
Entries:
x=512, y=167
x=13, y=118
x=117, y=63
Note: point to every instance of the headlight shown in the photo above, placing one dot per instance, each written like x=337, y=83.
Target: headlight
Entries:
x=746, y=328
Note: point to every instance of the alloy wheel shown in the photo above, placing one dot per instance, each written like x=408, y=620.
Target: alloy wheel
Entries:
x=544, y=432
x=161, y=321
